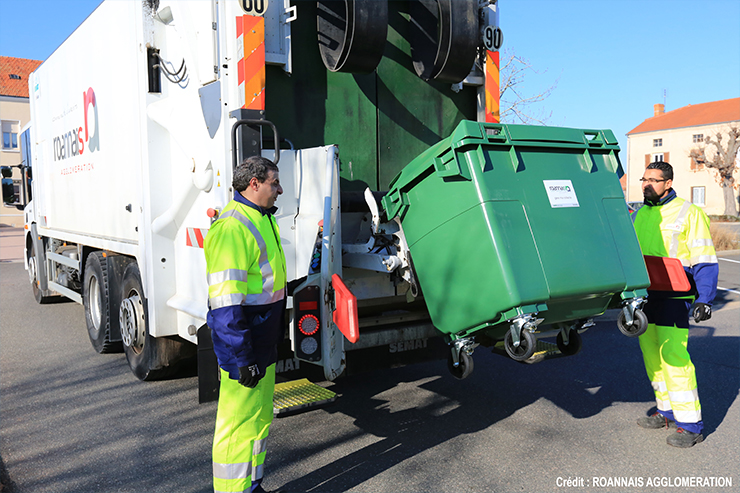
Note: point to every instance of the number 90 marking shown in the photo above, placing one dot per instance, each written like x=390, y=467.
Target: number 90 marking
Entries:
x=493, y=38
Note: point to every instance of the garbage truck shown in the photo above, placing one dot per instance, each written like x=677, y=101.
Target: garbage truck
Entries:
x=414, y=225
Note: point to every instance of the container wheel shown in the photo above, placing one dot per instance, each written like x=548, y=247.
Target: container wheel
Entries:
x=40, y=295
x=575, y=343
x=95, y=294
x=463, y=369
x=150, y=358
x=638, y=327
x=526, y=348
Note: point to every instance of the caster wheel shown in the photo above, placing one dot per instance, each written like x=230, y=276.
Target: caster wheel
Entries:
x=575, y=343
x=527, y=346
x=638, y=327
x=465, y=367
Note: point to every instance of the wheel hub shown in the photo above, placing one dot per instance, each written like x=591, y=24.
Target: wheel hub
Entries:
x=32, y=269
x=95, y=308
x=131, y=319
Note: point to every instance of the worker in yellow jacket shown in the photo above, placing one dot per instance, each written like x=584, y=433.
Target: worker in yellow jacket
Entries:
x=668, y=226
x=246, y=296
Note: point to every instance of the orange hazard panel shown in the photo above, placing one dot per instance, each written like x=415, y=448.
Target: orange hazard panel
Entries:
x=666, y=274
x=345, y=314
x=250, y=32
x=493, y=110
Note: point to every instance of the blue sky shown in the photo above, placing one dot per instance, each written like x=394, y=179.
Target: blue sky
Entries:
x=612, y=59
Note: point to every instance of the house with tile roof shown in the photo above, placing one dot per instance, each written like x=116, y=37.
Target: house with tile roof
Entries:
x=671, y=136
x=14, y=114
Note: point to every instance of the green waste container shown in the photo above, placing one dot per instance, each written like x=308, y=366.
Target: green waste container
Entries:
x=505, y=220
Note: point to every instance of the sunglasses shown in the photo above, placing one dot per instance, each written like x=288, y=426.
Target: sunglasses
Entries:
x=651, y=180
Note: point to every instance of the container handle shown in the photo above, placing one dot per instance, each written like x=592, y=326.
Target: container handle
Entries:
x=593, y=138
x=395, y=202
x=448, y=165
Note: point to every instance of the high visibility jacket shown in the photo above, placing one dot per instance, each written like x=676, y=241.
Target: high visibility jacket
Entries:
x=678, y=229
x=246, y=286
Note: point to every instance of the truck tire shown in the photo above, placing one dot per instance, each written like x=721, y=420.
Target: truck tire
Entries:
x=42, y=296
x=95, y=299
x=150, y=358
x=444, y=38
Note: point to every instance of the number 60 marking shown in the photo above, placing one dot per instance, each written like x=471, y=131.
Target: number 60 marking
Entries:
x=254, y=7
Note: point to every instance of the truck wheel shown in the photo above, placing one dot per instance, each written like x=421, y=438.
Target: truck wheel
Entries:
x=465, y=367
x=95, y=293
x=42, y=296
x=526, y=348
x=150, y=358
x=575, y=343
x=638, y=327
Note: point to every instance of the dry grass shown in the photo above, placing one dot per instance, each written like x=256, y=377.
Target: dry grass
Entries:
x=724, y=239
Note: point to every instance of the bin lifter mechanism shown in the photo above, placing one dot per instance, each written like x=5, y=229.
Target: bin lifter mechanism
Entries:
x=388, y=235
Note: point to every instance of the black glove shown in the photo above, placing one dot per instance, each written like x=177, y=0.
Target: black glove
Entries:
x=249, y=376
x=294, y=284
x=701, y=312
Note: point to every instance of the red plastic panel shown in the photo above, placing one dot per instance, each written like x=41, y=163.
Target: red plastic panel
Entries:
x=666, y=274
x=345, y=314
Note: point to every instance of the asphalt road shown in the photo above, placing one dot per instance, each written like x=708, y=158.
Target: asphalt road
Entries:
x=76, y=421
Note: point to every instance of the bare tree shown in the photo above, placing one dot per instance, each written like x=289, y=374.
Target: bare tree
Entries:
x=722, y=159
x=516, y=106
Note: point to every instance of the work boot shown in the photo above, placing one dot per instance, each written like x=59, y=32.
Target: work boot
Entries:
x=684, y=439
x=655, y=422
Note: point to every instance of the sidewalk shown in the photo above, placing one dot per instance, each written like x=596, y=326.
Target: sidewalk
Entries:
x=11, y=244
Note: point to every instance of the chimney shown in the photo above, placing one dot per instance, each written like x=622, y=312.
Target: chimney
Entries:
x=658, y=109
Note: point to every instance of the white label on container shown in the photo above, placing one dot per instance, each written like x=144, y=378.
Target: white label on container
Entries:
x=561, y=193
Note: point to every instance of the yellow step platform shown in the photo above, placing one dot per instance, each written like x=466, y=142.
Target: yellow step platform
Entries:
x=299, y=395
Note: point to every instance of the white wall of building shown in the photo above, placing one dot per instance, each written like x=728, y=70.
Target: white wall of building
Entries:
x=16, y=110
x=676, y=148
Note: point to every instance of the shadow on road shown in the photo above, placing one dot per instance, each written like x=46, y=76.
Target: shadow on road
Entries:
x=608, y=370
x=97, y=406
x=6, y=484
x=722, y=298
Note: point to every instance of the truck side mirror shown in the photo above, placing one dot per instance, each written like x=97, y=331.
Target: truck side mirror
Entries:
x=7, y=172
x=9, y=197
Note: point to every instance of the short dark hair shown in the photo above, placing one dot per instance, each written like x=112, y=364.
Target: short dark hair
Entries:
x=664, y=167
x=252, y=167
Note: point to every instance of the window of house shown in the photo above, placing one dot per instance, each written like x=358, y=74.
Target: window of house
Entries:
x=697, y=163
x=658, y=157
x=657, y=142
x=10, y=135
x=697, y=138
x=698, y=195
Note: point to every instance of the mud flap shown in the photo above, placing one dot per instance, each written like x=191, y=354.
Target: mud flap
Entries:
x=208, y=382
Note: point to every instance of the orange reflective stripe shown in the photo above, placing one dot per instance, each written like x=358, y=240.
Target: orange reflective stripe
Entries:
x=493, y=112
x=253, y=68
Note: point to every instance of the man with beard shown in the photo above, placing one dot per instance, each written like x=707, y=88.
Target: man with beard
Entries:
x=668, y=226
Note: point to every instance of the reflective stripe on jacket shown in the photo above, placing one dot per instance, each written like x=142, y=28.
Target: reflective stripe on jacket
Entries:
x=678, y=229
x=246, y=286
